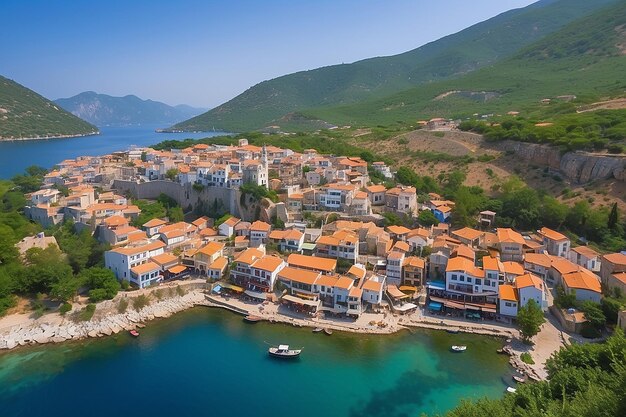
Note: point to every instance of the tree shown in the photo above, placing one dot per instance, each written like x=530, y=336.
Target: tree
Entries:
x=613, y=217
x=65, y=289
x=175, y=214
x=529, y=319
x=171, y=174
x=611, y=308
x=427, y=218
x=593, y=314
x=102, y=282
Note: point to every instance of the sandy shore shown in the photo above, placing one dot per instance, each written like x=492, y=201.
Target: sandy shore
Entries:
x=21, y=330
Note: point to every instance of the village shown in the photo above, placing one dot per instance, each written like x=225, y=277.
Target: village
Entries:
x=322, y=249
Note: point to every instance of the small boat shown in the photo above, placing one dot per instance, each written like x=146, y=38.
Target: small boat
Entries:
x=317, y=330
x=283, y=351
x=453, y=331
x=511, y=390
x=328, y=331
x=519, y=379
x=252, y=319
x=500, y=351
x=456, y=348
x=134, y=333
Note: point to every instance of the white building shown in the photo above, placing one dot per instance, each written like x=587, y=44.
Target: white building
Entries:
x=122, y=260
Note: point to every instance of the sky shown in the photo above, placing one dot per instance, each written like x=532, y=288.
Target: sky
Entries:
x=203, y=53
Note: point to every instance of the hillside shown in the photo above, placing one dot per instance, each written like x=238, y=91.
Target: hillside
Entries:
x=26, y=114
x=585, y=59
x=449, y=57
x=105, y=110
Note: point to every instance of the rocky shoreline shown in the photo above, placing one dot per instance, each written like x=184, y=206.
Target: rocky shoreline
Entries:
x=80, y=135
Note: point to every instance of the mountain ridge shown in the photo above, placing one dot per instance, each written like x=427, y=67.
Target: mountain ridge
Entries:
x=107, y=110
x=25, y=114
x=449, y=57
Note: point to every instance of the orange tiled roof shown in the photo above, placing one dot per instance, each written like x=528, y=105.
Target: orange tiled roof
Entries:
x=552, y=234
x=509, y=236
x=582, y=280
x=507, y=292
x=268, y=263
x=312, y=262
x=298, y=275
x=144, y=268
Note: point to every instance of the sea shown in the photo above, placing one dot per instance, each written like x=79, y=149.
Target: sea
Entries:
x=209, y=362
x=15, y=156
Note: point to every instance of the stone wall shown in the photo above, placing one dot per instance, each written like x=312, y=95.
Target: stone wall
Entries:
x=184, y=194
x=578, y=167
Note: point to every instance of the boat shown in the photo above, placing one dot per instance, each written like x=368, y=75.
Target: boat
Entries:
x=511, y=390
x=453, y=331
x=134, y=333
x=252, y=319
x=456, y=348
x=519, y=379
x=283, y=351
x=317, y=330
x=328, y=331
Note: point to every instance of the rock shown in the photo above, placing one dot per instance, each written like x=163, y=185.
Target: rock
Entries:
x=92, y=333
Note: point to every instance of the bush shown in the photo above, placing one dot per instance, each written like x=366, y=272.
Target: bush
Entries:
x=140, y=302
x=65, y=307
x=526, y=358
x=180, y=291
x=87, y=313
x=122, y=305
x=589, y=332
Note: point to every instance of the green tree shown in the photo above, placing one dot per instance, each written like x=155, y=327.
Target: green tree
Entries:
x=175, y=214
x=427, y=218
x=611, y=308
x=593, y=314
x=613, y=217
x=102, y=283
x=171, y=174
x=65, y=289
x=529, y=319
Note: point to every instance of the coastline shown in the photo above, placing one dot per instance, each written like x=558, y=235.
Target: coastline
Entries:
x=22, y=330
x=80, y=135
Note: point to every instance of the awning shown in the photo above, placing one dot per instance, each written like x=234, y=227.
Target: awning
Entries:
x=394, y=292
x=405, y=307
x=433, y=305
x=298, y=300
x=177, y=269
x=308, y=246
x=452, y=304
x=436, y=285
x=488, y=310
x=217, y=289
x=256, y=294
x=305, y=295
x=471, y=307
x=232, y=287
x=409, y=288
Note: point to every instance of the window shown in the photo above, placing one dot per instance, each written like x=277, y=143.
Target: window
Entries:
x=462, y=278
x=454, y=276
x=507, y=304
x=469, y=279
x=477, y=281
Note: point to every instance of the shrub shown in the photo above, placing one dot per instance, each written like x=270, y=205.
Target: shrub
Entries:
x=140, y=302
x=122, y=305
x=180, y=291
x=87, y=313
x=65, y=307
x=526, y=358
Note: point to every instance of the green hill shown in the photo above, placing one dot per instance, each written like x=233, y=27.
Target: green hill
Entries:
x=449, y=57
x=585, y=59
x=26, y=114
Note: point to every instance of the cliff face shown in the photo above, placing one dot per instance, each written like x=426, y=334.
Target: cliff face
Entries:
x=579, y=167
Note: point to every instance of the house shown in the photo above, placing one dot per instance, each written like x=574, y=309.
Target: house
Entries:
x=165, y=261
x=556, y=243
x=493, y=270
x=373, y=290
x=343, y=244
x=402, y=200
x=470, y=237
x=382, y=168
x=510, y=244
x=585, y=257
x=538, y=264
x=263, y=273
x=216, y=270
x=360, y=205
x=299, y=282
x=122, y=260
x=487, y=218
x=508, y=300
x=612, y=263
x=376, y=194
x=584, y=284
x=206, y=256
x=413, y=270
x=146, y=274
x=287, y=240
x=418, y=239
x=531, y=287
x=398, y=232
x=395, y=259
x=511, y=270
x=259, y=233
x=560, y=267
x=312, y=263
x=617, y=282
x=345, y=300
x=463, y=278
x=228, y=227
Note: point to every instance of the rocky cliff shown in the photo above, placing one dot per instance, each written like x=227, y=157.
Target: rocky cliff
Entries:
x=578, y=167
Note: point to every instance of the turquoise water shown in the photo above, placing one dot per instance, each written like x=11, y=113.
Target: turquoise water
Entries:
x=210, y=363
x=16, y=156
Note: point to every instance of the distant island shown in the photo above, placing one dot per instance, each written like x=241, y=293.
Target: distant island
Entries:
x=104, y=110
x=26, y=115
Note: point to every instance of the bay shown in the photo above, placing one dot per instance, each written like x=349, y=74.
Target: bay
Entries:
x=206, y=362
x=15, y=156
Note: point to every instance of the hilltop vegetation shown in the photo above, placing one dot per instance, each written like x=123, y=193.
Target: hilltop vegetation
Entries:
x=105, y=110
x=26, y=114
x=584, y=59
x=450, y=57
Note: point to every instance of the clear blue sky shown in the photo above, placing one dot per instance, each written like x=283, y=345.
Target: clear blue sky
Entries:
x=203, y=53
